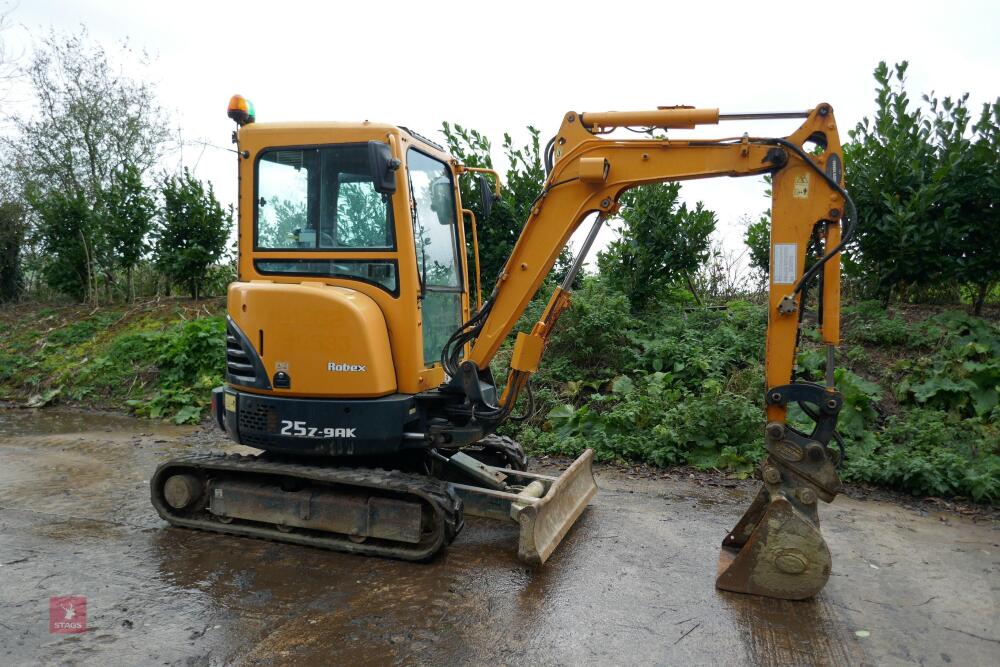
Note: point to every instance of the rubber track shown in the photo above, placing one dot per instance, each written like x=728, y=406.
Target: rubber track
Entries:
x=439, y=495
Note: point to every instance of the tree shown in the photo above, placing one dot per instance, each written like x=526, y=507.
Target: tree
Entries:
x=90, y=124
x=975, y=191
x=925, y=184
x=660, y=242
x=192, y=232
x=125, y=211
x=8, y=61
x=522, y=184
x=757, y=238
x=12, y=228
x=65, y=232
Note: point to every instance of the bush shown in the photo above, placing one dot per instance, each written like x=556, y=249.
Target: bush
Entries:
x=189, y=361
x=591, y=341
x=704, y=344
x=929, y=452
x=964, y=374
x=691, y=392
x=925, y=184
x=652, y=419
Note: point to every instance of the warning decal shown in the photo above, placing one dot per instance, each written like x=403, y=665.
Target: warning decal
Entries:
x=801, y=188
x=784, y=263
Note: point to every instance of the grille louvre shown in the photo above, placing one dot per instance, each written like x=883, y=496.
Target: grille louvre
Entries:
x=240, y=362
x=255, y=421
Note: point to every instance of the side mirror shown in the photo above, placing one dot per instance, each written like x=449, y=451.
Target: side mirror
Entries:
x=382, y=167
x=486, y=196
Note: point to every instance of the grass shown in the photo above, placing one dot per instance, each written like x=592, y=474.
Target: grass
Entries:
x=158, y=357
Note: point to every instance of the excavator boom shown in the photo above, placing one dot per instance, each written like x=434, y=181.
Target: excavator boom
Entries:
x=776, y=549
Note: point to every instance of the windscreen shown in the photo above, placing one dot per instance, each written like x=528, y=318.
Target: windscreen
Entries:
x=319, y=199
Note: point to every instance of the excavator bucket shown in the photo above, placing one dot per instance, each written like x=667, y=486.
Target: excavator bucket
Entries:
x=775, y=550
x=545, y=508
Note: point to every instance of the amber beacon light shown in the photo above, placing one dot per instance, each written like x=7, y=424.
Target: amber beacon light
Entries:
x=241, y=110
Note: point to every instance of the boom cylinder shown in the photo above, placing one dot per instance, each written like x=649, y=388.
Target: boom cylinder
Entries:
x=680, y=118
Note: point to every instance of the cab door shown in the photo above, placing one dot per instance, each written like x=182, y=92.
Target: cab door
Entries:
x=439, y=260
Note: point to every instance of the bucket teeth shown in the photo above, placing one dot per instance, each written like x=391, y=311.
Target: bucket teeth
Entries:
x=776, y=550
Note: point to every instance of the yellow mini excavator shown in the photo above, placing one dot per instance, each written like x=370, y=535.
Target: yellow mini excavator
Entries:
x=357, y=362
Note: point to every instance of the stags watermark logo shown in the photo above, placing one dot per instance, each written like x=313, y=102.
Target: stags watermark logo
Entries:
x=67, y=614
x=346, y=368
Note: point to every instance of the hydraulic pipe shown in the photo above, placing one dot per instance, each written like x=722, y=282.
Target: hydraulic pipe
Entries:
x=764, y=115
x=581, y=257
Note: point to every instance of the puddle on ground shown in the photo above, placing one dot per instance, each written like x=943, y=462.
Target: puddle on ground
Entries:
x=55, y=421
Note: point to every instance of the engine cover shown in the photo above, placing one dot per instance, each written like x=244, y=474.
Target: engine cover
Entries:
x=310, y=339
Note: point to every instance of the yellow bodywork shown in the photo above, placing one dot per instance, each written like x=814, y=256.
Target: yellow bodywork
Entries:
x=335, y=315
x=296, y=308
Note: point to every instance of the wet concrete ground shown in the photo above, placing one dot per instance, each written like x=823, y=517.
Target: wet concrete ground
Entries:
x=632, y=583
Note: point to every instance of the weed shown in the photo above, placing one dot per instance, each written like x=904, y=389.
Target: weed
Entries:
x=964, y=373
x=872, y=324
x=82, y=331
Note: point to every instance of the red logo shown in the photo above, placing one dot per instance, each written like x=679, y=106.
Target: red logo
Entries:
x=67, y=614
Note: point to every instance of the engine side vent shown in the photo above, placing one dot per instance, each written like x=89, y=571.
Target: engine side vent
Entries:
x=243, y=365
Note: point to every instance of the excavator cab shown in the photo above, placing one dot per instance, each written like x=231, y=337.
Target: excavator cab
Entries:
x=352, y=277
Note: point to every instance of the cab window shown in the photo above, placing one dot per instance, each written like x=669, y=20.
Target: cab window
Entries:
x=320, y=199
x=435, y=235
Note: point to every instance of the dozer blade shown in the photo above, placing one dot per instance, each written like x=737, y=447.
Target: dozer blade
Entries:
x=545, y=509
x=775, y=550
x=545, y=524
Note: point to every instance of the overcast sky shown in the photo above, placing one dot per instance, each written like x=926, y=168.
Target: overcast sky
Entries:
x=498, y=66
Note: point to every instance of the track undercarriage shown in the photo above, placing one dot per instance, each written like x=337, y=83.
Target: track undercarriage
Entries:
x=405, y=514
